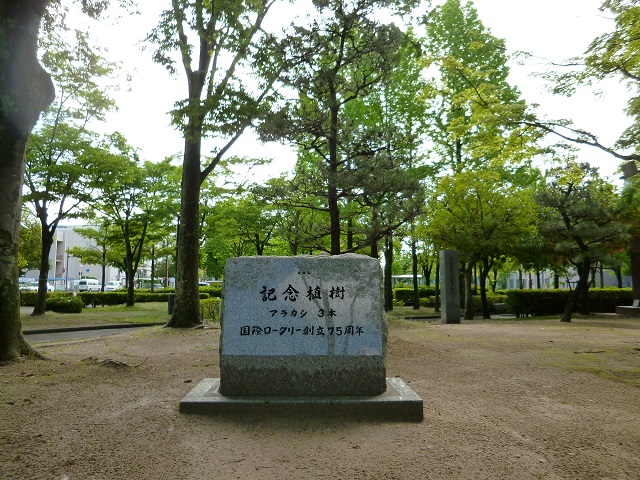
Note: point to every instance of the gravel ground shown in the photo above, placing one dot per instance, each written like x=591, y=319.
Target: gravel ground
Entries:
x=503, y=400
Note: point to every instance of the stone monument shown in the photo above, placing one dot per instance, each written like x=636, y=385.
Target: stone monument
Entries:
x=449, y=287
x=306, y=325
x=304, y=333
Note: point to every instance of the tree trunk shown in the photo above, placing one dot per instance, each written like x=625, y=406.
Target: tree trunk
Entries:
x=580, y=293
x=484, y=274
x=373, y=251
x=583, y=299
x=131, y=273
x=332, y=180
x=414, y=272
x=186, y=310
x=131, y=282
x=26, y=89
x=103, y=275
x=388, y=272
x=468, y=291
x=41, y=298
x=601, y=272
x=634, y=259
x=437, y=282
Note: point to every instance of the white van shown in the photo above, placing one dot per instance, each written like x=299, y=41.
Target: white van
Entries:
x=89, y=285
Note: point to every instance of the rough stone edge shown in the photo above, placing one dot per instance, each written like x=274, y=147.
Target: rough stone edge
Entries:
x=398, y=403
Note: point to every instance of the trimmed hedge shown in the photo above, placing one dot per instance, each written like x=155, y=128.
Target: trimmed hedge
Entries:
x=213, y=291
x=552, y=302
x=28, y=298
x=101, y=299
x=210, y=309
x=424, y=291
x=64, y=304
x=404, y=295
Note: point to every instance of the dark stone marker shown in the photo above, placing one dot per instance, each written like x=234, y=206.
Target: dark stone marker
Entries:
x=449, y=287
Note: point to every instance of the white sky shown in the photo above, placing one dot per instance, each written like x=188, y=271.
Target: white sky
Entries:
x=551, y=29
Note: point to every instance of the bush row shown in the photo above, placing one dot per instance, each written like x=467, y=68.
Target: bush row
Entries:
x=552, y=302
x=212, y=291
x=210, y=309
x=424, y=292
x=530, y=302
x=64, y=304
x=28, y=299
x=101, y=299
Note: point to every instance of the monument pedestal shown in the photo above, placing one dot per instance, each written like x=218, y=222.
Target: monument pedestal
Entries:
x=398, y=403
x=304, y=334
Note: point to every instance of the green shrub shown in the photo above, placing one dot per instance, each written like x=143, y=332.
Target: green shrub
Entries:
x=553, y=302
x=28, y=299
x=147, y=296
x=524, y=303
x=404, y=295
x=210, y=309
x=213, y=291
x=100, y=299
x=60, y=293
x=606, y=300
x=64, y=304
x=424, y=291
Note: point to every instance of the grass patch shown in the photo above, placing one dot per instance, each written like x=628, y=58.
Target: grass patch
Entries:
x=142, y=313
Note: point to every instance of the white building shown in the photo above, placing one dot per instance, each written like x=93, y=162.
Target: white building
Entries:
x=65, y=269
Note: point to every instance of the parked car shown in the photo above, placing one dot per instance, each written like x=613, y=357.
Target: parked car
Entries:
x=33, y=287
x=89, y=285
x=112, y=285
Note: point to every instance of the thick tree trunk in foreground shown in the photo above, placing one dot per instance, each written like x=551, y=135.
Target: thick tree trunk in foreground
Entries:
x=186, y=309
x=26, y=89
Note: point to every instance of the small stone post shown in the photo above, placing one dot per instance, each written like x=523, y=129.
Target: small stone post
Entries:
x=449, y=286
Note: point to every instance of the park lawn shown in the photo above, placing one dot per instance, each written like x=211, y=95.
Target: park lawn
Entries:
x=142, y=313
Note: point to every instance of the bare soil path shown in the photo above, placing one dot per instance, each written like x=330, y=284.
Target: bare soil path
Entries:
x=518, y=399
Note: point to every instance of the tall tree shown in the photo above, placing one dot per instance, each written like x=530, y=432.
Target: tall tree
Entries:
x=580, y=222
x=30, y=247
x=473, y=109
x=57, y=176
x=612, y=55
x=219, y=44
x=101, y=250
x=26, y=91
x=132, y=197
x=483, y=216
x=342, y=55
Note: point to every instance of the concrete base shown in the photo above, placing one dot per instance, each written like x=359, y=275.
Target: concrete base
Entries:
x=628, y=310
x=399, y=403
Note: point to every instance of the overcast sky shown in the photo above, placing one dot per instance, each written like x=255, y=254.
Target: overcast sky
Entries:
x=552, y=30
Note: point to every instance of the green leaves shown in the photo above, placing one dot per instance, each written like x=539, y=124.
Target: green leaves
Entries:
x=580, y=216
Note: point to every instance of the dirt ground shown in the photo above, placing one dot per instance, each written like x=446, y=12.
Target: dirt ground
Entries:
x=503, y=399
